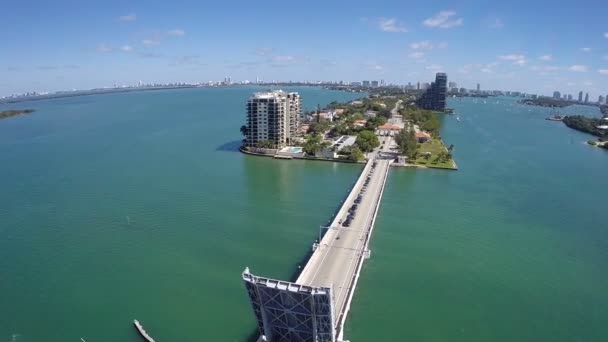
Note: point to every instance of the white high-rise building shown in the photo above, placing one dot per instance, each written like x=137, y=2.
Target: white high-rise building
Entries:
x=272, y=118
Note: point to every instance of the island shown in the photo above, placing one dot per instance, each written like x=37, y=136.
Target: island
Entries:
x=546, y=102
x=14, y=112
x=594, y=126
x=387, y=124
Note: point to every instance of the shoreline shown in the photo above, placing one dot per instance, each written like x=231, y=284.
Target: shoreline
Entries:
x=410, y=166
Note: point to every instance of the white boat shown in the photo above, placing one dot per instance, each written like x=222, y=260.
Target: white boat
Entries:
x=457, y=118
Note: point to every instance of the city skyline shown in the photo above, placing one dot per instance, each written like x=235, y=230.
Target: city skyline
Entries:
x=62, y=46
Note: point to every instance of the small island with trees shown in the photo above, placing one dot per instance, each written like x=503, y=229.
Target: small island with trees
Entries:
x=349, y=131
x=14, y=112
x=546, y=102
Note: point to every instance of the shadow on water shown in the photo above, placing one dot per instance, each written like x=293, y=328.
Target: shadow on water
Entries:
x=231, y=146
x=253, y=337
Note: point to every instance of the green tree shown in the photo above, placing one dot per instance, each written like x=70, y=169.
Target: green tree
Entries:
x=367, y=141
x=265, y=144
x=356, y=154
x=244, y=130
x=373, y=123
x=406, y=142
x=318, y=127
x=312, y=144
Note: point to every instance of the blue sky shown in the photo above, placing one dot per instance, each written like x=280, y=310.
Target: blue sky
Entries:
x=535, y=47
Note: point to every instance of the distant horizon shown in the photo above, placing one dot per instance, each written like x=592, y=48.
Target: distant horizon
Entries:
x=217, y=83
x=62, y=45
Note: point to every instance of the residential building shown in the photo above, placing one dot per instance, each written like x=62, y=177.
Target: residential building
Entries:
x=463, y=90
x=452, y=85
x=422, y=136
x=569, y=97
x=580, y=96
x=586, y=97
x=370, y=114
x=366, y=83
x=374, y=84
x=272, y=117
x=600, y=99
x=557, y=95
x=434, y=97
x=478, y=88
x=360, y=123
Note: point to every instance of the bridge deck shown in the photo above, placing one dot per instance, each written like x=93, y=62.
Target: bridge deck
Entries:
x=336, y=260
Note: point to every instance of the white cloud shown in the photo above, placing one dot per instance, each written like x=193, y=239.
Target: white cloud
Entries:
x=487, y=70
x=263, y=51
x=546, y=58
x=443, y=20
x=606, y=35
x=587, y=83
x=520, y=62
x=578, y=68
x=442, y=45
x=416, y=55
x=391, y=25
x=586, y=49
x=127, y=48
x=103, y=48
x=283, y=59
x=605, y=57
x=512, y=57
x=376, y=67
x=434, y=67
x=517, y=59
x=176, y=33
x=128, y=17
x=150, y=42
x=287, y=60
x=424, y=45
x=496, y=24
x=545, y=69
x=603, y=72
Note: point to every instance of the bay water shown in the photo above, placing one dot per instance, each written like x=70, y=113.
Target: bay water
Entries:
x=139, y=206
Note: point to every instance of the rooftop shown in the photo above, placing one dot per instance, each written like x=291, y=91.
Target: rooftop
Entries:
x=389, y=127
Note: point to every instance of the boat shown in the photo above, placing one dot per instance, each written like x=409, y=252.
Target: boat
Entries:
x=458, y=118
x=555, y=118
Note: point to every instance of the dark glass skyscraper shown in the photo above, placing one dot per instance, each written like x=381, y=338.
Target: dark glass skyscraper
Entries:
x=434, y=97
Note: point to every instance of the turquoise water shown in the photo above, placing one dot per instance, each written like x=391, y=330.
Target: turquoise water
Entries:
x=513, y=247
x=137, y=205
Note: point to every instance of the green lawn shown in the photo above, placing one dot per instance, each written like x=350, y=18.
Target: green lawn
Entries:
x=434, y=146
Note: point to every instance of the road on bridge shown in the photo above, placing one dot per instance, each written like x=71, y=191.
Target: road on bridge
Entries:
x=335, y=261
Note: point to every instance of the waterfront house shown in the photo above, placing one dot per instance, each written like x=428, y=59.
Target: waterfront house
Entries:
x=370, y=114
x=423, y=137
x=360, y=123
x=388, y=129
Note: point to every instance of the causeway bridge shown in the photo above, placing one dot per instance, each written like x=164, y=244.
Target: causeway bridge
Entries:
x=314, y=307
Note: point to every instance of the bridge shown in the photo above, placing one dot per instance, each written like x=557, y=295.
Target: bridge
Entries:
x=314, y=307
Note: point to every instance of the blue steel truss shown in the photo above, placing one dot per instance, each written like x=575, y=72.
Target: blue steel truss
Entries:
x=289, y=312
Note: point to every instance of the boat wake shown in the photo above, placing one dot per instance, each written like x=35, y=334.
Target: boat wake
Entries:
x=15, y=337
